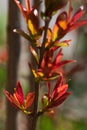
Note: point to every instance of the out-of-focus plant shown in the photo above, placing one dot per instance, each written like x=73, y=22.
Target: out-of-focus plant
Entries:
x=46, y=47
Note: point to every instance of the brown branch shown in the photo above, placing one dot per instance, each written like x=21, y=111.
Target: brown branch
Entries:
x=13, y=43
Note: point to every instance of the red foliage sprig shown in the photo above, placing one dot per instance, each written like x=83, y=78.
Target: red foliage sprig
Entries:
x=47, y=54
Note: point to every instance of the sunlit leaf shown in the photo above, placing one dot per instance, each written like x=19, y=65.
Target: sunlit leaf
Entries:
x=64, y=43
x=55, y=32
x=63, y=24
x=33, y=71
x=39, y=33
x=34, y=54
x=49, y=37
x=31, y=27
x=29, y=99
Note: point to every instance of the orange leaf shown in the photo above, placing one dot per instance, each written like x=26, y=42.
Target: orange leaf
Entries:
x=29, y=99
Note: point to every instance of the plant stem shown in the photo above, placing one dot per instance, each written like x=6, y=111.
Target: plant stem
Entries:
x=44, y=40
x=33, y=118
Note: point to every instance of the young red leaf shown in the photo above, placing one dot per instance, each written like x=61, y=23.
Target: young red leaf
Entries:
x=17, y=98
x=60, y=100
x=19, y=93
x=29, y=99
x=77, y=15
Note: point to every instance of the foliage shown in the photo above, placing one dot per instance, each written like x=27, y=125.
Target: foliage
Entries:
x=48, y=55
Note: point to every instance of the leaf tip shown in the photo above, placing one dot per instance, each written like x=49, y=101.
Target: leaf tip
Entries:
x=82, y=7
x=14, y=30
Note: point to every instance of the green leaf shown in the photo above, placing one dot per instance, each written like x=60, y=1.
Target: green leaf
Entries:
x=51, y=78
x=64, y=43
x=22, y=33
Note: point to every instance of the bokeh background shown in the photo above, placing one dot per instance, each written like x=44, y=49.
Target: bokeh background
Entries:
x=72, y=114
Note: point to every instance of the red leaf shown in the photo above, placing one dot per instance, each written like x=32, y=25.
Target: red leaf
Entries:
x=8, y=95
x=64, y=62
x=19, y=93
x=62, y=90
x=29, y=99
x=58, y=57
x=61, y=99
x=12, y=99
x=22, y=9
x=59, y=83
x=77, y=15
x=78, y=24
